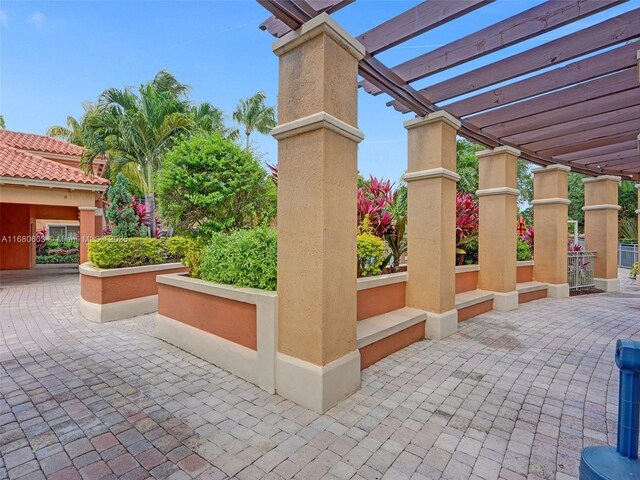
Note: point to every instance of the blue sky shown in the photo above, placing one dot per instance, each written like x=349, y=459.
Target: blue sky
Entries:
x=56, y=54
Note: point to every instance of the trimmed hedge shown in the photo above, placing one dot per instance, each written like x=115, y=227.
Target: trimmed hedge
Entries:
x=245, y=258
x=57, y=259
x=118, y=252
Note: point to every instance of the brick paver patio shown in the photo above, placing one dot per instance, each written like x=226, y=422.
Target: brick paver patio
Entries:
x=511, y=395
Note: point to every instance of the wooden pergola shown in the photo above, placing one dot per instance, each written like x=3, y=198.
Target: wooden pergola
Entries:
x=584, y=114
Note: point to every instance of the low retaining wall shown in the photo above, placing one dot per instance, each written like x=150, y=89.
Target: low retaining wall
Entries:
x=117, y=293
x=381, y=294
x=524, y=271
x=466, y=278
x=238, y=332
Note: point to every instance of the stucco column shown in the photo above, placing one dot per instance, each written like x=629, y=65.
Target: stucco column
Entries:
x=431, y=220
x=318, y=363
x=550, y=218
x=601, y=228
x=87, y=229
x=497, y=197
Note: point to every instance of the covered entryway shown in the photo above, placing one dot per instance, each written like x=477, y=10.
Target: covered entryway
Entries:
x=33, y=187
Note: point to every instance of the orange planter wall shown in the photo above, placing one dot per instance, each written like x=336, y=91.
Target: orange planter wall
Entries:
x=466, y=281
x=379, y=300
x=530, y=296
x=121, y=287
x=229, y=319
x=524, y=273
x=385, y=347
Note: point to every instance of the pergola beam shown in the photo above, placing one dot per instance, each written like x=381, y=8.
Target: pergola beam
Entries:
x=278, y=28
x=569, y=113
x=540, y=19
x=595, y=151
x=590, y=144
x=584, y=135
x=416, y=21
x=586, y=123
x=609, y=157
x=600, y=87
x=588, y=69
x=583, y=42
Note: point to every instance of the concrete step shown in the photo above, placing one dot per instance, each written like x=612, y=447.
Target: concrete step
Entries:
x=374, y=329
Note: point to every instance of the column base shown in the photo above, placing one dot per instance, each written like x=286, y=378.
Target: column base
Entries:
x=314, y=387
x=505, y=301
x=441, y=325
x=607, y=284
x=558, y=291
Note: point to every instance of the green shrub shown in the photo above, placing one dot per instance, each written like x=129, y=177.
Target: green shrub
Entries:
x=634, y=271
x=117, y=252
x=57, y=258
x=523, y=251
x=370, y=250
x=194, y=256
x=209, y=184
x=120, y=214
x=245, y=258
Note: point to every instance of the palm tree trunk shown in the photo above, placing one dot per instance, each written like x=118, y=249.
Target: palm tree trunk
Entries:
x=247, y=133
x=150, y=202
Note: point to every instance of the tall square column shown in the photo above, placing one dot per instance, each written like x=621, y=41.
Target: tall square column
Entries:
x=498, y=203
x=318, y=363
x=550, y=217
x=87, y=230
x=601, y=228
x=431, y=220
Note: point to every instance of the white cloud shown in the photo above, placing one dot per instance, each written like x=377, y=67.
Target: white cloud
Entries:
x=37, y=19
x=4, y=18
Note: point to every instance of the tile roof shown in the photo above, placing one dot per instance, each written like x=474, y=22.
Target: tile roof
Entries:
x=38, y=143
x=18, y=164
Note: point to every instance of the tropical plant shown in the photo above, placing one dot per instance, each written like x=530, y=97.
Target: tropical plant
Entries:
x=467, y=222
x=523, y=250
x=41, y=241
x=374, y=200
x=370, y=250
x=113, y=252
x=628, y=229
x=209, y=184
x=120, y=213
x=467, y=165
x=633, y=273
x=254, y=114
x=396, y=238
x=2, y=124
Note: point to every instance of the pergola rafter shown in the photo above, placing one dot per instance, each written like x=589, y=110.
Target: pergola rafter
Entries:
x=583, y=109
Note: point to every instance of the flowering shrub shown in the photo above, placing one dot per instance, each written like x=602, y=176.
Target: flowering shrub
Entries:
x=370, y=250
x=41, y=241
x=523, y=250
x=467, y=216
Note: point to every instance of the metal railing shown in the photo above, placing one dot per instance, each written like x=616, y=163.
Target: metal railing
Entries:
x=580, y=270
x=627, y=254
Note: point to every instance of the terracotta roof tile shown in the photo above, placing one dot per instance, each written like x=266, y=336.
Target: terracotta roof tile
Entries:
x=38, y=143
x=18, y=164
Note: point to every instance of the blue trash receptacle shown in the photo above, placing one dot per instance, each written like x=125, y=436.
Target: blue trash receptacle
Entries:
x=608, y=463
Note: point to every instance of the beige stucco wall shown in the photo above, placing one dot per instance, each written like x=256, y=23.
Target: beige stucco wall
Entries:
x=46, y=196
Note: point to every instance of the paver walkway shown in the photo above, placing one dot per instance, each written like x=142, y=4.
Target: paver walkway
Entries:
x=510, y=395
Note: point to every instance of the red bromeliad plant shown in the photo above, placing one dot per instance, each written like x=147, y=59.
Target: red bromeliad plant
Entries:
x=466, y=221
x=374, y=200
x=41, y=241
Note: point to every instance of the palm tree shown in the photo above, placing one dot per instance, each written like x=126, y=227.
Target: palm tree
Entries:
x=2, y=124
x=77, y=131
x=255, y=115
x=137, y=129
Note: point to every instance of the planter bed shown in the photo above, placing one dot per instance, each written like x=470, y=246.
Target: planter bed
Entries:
x=466, y=278
x=524, y=271
x=118, y=293
x=231, y=327
x=381, y=294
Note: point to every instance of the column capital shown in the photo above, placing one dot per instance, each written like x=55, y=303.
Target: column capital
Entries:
x=551, y=168
x=87, y=209
x=431, y=173
x=487, y=192
x=315, y=122
x=497, y=150
x=637, y=186
x=323, y=23
x=602, y=178
x=440, y=115
x=551, y=201
x=604, y=206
